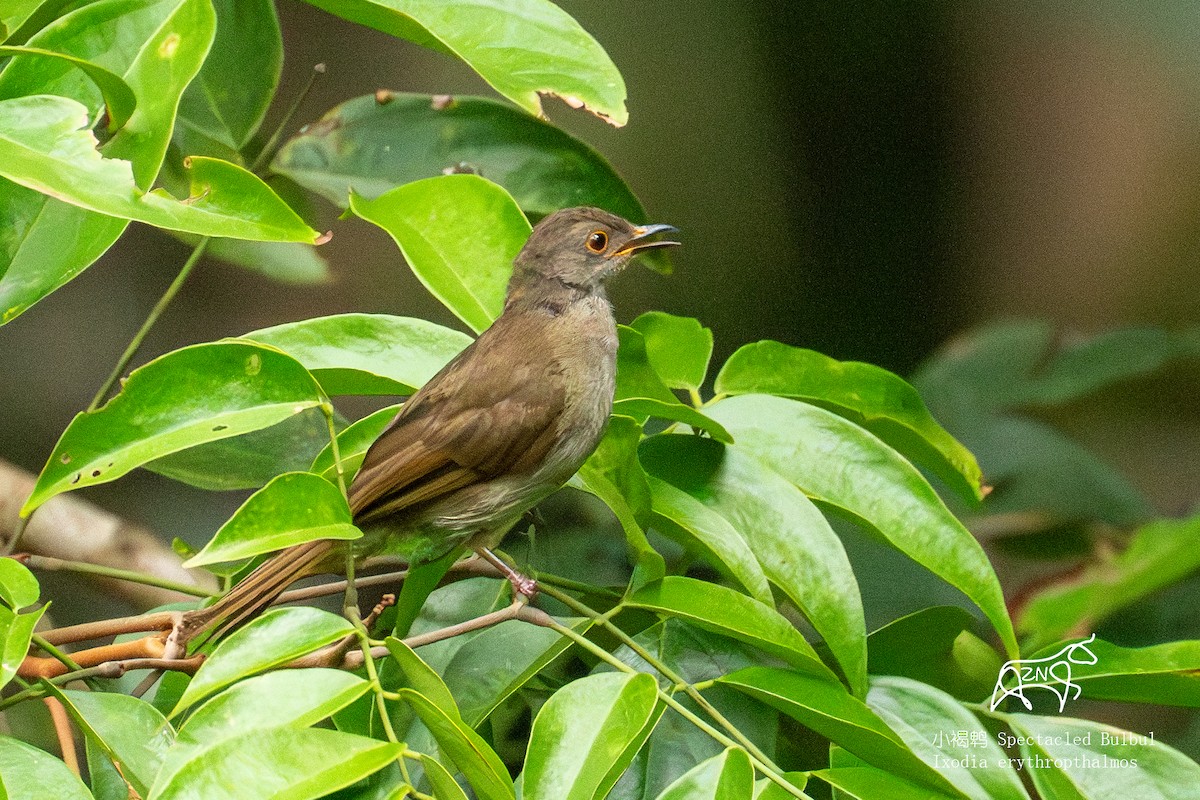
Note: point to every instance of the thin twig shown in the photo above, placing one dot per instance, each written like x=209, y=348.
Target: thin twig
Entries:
x=158, y=621
x=48, y=564
x=136, y=343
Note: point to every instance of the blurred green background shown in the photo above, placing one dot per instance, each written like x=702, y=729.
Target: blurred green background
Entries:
x=862, y=179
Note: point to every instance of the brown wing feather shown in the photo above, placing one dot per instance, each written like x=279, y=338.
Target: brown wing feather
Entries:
x=472, y=422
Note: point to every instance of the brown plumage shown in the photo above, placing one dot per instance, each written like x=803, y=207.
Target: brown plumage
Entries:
x=501, y=426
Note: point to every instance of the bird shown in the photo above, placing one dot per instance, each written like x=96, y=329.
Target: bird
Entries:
x=499, y=428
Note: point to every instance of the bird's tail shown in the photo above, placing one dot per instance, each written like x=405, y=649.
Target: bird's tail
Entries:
x=257, y=591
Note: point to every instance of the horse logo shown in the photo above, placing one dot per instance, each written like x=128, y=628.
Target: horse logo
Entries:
x=1052, y=672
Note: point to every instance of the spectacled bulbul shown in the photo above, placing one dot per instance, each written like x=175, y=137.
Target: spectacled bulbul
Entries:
x=500, y=427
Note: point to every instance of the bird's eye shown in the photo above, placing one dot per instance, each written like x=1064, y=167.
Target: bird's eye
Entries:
x=597, y=241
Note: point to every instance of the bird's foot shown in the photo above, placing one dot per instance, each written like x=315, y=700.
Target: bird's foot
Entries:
x=523, y=585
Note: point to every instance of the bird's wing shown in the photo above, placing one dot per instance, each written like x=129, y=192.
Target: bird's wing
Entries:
x=491, y=411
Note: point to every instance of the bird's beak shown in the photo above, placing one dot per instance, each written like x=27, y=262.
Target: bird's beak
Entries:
x=638, y=242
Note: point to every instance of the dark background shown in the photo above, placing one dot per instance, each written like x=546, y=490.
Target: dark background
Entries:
x=863, y=179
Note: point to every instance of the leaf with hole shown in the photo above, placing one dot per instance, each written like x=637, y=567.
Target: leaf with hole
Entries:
x=523, y=48
x=191, y=396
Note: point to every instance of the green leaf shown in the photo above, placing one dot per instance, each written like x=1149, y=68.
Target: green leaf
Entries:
x=1164, y=674
x=27, y=773
x=294, y=508
x=194, y=395
x=45, y=144
x=296, y=764
x=828, y=709
x=868, y=783
x=936, y=646
x=675, y=411
x=286, y=262
x=837, y=462
x=227, y=100
x=118, y=96
x=130, y=40
x=937, y=728
x=421, y=678
x=1094, y=761
x=979, y=383
x=16, y=13
x=582, y=731
x=131, y=731
x=16, y=631
x=459, y=234
x=278, y=636
x=694, y=525
x=366, y=353
x=443, y=783
x=523, y=48
x=376, y=142
x=648, y=562
x=678, y=347
x=1158, y=555
x=722, y=610
x=798, y=550
x=727, y=776
x=251, y=460
x=18, y=587
x=868, y=395
x=295, y=698
x=464, y=747
x=766, y=790
x=353, y=444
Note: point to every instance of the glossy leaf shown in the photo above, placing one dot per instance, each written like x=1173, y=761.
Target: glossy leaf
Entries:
x=581, y=732
x=374, y=143
x=198, y=394
x=1091, y=760
x=937, y=728
x=130, y=40
x=227, y=100
x=16, y=631
x=15, y=14
x=18, y=587
x=523, y=48
x=878, y=400
x=353, y=444
x=285, y=262
x=277, y=637
x=421, y=678
x=459, y=234
x=295, y=698
x=648, y=563
x=366, y=353
x=641, y=393
x=722, y=610
x=869, y=783
x=837, y=462
x=641, y=408
x=294, y=508
x=828, y=709
x=689, y=522
x=936, y=646
x=118, y=97
x=131, y=731
x=727, y=776
x=678, y=347
x=443, y=783
x=29, y=773
x=297, y=764
x=764, y=789
x=1158, y=555
x=1164, y=674
x=45, y=144
x=798, y=550
x=464, y=747
x=251, y=460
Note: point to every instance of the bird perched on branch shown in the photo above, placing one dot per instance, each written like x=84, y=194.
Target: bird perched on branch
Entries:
x=499, y=428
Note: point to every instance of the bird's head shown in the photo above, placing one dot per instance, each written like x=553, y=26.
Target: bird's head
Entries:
x=581, y=247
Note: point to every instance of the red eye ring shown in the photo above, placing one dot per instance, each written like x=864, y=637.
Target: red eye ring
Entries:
x=597, y=241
